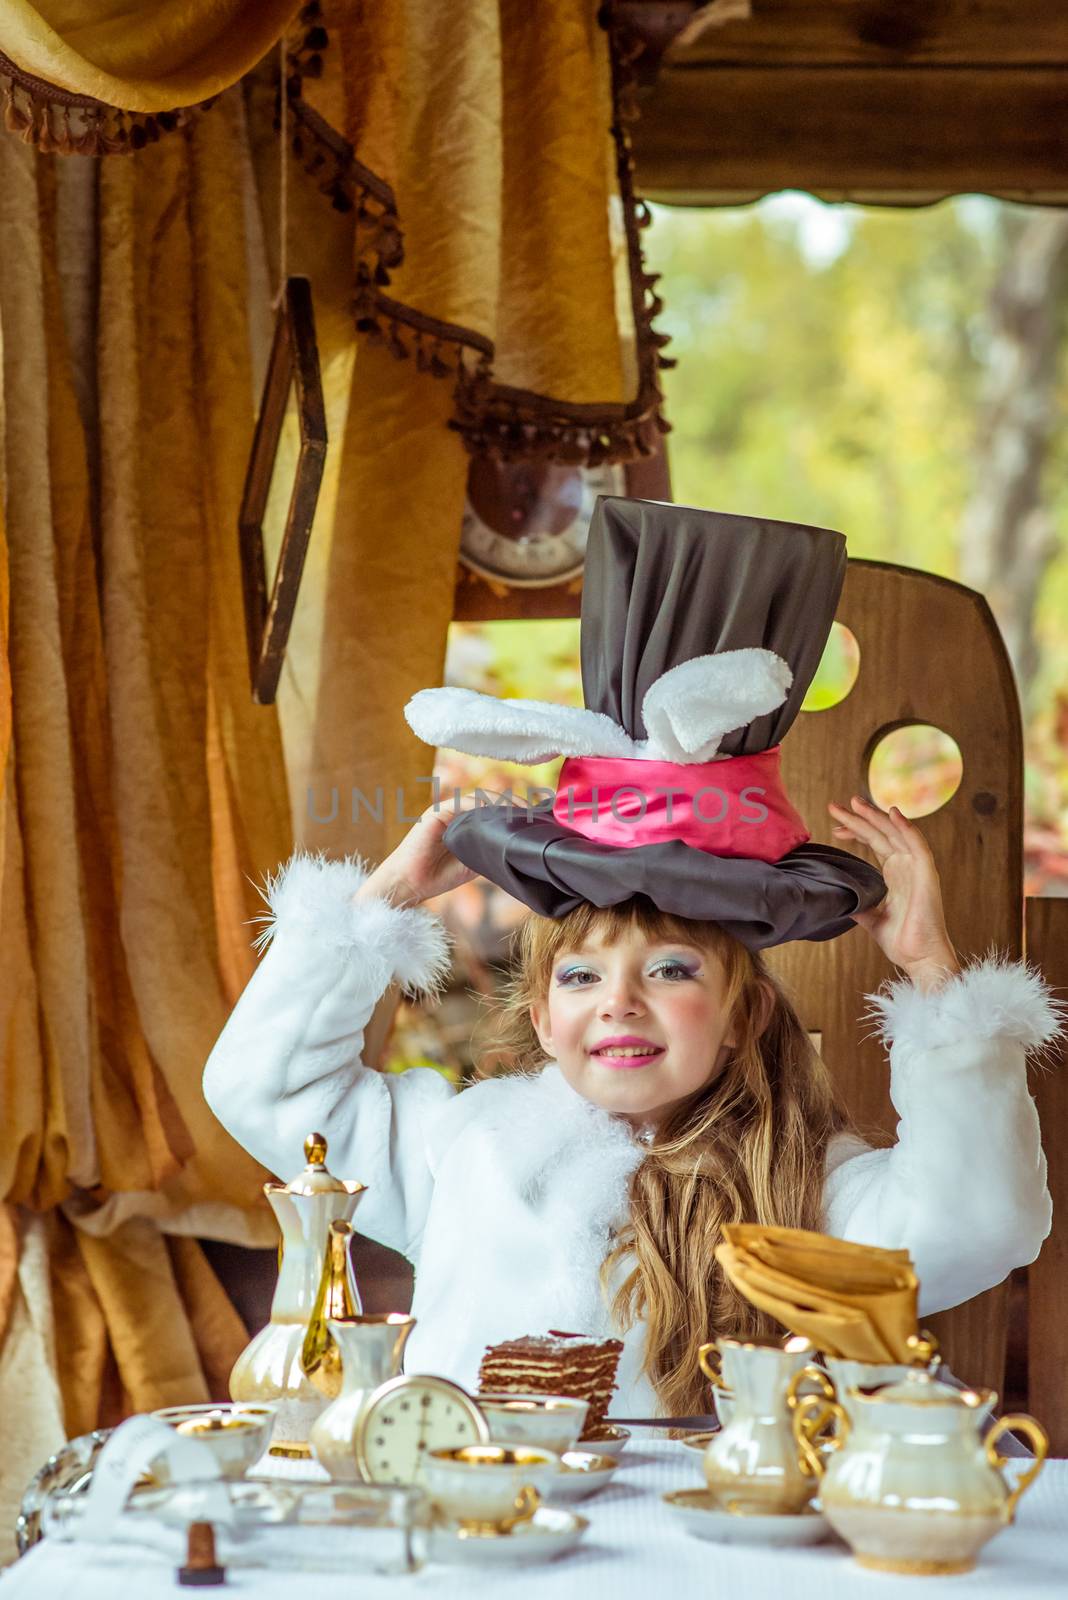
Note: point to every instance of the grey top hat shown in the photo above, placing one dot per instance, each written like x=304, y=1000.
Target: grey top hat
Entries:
x=700, y=635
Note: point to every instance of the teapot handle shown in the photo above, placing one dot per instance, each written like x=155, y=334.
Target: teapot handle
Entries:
x=1039, y=1440
x=708, y=1359
x=811, y=1415
x=809, y=1374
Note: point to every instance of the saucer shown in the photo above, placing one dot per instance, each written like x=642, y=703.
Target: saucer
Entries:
x=551, y=1532
x=699, y=1441
x=612, y=1442
x=581, y=1474
x=696, y=1511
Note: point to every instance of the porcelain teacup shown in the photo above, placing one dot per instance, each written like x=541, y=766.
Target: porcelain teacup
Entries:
x=487, y=1489
x=236, y=1434
x=550, y=1421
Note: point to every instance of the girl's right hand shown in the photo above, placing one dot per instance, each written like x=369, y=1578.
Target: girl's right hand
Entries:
x=422, y=865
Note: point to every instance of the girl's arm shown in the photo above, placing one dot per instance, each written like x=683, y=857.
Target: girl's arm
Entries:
x=964, y=1189
x=288, y=1061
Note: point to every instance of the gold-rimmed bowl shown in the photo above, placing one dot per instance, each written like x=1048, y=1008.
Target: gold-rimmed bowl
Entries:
x=237, y=1433
x=550, y=1421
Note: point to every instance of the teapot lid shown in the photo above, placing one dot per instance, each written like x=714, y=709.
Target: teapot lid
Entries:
x=316, y=1177
x=920, y=1386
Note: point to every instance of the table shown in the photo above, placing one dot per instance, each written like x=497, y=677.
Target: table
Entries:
x=631, y=1551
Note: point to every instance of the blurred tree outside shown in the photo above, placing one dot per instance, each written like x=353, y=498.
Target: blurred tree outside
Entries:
x=896, y=374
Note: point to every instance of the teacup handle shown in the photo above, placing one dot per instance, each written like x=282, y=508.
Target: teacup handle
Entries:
x=811, y=1415
x=1039, y=1441
x=809, y=1374
x=710, y=1362
x=527, y=1502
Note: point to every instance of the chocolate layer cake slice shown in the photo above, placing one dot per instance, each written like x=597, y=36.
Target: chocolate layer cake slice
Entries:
x=556, y=1363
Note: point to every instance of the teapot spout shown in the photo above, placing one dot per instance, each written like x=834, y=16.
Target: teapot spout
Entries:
x=338, y=1299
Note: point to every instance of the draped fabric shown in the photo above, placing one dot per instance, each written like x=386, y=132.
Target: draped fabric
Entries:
x=142, y=55
x=142, y=790
x=143, y=794
x=483, y=149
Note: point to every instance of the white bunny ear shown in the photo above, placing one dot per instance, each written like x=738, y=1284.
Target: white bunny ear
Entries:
x=691, y=707
x=527, y=731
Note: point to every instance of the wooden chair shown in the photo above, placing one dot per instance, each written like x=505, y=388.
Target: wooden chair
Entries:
x=931, y=652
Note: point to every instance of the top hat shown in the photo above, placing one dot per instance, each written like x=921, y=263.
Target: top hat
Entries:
x=700, y=634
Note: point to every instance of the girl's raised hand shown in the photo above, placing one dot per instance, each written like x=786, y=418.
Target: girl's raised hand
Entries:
x=909, y=923
x=422, y=865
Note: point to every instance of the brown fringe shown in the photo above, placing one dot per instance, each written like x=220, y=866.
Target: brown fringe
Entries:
x=494, y=420
x=57, y=122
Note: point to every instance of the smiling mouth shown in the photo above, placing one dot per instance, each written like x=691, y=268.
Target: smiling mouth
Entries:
x=630, y=1057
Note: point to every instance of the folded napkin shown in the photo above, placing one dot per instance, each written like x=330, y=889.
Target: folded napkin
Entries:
x=851, y=1300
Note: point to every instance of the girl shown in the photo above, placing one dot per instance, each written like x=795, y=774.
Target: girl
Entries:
x=668, y=1087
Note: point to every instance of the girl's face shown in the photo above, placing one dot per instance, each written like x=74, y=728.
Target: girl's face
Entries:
x=637, y=1026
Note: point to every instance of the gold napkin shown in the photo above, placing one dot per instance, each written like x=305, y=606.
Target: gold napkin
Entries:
x=851, y=1300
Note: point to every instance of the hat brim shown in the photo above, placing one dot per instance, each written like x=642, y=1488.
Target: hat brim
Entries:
x=811, y=893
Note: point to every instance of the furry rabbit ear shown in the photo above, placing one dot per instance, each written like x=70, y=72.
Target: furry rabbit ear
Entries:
x=527, y=731
x=691, y=707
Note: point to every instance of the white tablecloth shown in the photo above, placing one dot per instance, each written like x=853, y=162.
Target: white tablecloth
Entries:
x=631, y=1551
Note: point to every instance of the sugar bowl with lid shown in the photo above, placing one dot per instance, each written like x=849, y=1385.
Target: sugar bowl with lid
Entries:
x=908, y=1481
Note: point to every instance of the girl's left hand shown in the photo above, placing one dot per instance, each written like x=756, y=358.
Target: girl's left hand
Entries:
x=909, y=923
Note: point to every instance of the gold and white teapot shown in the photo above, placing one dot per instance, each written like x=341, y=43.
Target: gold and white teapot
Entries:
x=908, y=1481
x=272, y=1366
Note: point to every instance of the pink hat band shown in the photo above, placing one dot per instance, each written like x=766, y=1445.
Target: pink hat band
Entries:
x=736, y=806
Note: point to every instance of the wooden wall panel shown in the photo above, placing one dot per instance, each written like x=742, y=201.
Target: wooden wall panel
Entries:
x=930, y=652
x=706, y=133
x=998, y=33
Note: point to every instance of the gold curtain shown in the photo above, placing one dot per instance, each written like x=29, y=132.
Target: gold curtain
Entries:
x=142, y=55
x=143, y=792
x=142, y=789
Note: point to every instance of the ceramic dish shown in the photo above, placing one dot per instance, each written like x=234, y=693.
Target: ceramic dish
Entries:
x=612, y=1442
x=696, y=1511
x=581, y=1474
x=551, y=1532
x=699, y=1441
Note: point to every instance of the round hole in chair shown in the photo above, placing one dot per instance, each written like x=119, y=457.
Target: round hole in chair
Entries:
x=837, y=672
x=917, y=768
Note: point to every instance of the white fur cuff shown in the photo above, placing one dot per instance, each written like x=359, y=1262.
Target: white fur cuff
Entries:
x=992, y=997
x=312, y=898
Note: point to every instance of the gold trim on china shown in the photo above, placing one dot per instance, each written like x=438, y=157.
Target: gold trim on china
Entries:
x=1039, y=1438
x=914, y=1568
x=812, y=1413
x=809, y=1374
x=972, y=1399
x=291, y=1452
x=791, y=1346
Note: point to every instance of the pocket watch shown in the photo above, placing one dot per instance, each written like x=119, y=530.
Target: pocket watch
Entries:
x=407, y=1416
x=525, y=522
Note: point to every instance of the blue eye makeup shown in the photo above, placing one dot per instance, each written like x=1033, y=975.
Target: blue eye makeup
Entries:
x=673, y=968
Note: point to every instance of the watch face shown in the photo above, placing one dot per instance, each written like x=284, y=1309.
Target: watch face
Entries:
x=408, y=1416
x=526, y=522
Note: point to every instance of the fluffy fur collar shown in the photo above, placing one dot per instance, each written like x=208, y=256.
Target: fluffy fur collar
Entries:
x=565, y=1160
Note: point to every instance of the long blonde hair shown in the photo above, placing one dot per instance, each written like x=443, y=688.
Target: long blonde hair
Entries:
x=749, y=1146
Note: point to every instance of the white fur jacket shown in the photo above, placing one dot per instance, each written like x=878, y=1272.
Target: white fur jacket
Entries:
x=504, y=1196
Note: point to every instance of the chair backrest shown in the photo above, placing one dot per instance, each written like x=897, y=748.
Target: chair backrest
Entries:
x=930, y=653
